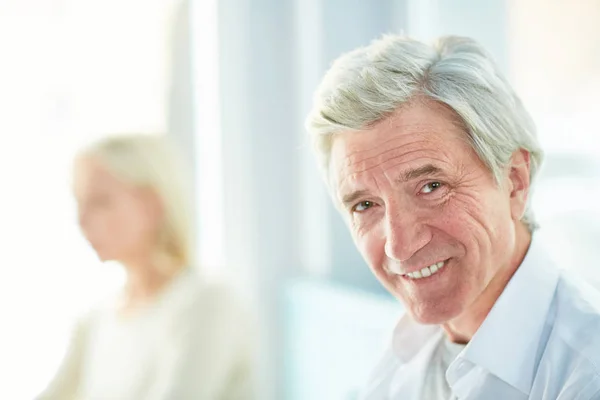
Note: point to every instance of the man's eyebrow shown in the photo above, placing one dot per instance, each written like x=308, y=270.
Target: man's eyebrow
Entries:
x=350, y=198
x=428, y=169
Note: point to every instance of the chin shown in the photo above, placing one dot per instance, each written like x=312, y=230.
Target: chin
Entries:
x=104, y=256
x=434, y=314
x=103, y=253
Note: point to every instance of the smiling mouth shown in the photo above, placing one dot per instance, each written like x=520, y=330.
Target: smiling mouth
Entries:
x=427, y=271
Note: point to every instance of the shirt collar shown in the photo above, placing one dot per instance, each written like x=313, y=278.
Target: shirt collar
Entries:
x=410, y=337
x=512, y=329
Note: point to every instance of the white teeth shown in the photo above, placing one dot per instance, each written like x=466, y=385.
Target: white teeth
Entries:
x=427, y=271
x=394, y=269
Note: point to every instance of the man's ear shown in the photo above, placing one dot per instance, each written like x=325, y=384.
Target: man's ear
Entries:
x=519, y=182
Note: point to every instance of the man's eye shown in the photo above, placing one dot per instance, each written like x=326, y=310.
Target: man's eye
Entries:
x=430, y=187
x=362, y=206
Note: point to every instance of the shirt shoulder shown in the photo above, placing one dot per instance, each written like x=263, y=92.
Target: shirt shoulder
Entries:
x=203, y=302
x=216, y=294
x=577, y=320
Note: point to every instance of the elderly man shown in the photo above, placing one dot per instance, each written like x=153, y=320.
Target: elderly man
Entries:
x=430, y=157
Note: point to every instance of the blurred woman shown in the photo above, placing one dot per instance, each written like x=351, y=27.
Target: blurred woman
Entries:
x=169, y=333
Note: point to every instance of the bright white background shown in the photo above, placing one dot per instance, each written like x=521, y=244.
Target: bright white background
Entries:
x=70, y=71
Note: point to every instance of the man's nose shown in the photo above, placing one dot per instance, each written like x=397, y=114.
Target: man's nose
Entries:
x=405, y=235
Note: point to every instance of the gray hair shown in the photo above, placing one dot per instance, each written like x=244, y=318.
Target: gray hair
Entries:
x=368, y=84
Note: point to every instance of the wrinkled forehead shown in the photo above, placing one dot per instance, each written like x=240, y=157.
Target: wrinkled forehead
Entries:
x=358, y=157
x=425, y=133
x=362, y=151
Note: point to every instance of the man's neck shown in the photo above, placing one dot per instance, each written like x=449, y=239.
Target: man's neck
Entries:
x=462, y=328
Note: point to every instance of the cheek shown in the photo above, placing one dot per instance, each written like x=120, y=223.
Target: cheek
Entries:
x=483, y=227
x=120, y=225
x=97, y=224
x=371, y=245
x=104, y=230
x=134, y=223
x=473, y=214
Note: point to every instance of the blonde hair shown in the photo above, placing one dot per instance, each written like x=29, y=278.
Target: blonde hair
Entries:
x=153, y=162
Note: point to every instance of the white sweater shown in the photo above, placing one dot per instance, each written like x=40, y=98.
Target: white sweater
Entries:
x=194, y=342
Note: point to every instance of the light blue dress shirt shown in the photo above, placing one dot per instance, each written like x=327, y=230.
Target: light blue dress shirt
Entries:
x=540, y=341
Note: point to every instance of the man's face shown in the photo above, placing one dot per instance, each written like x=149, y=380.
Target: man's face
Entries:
x=424, y=211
